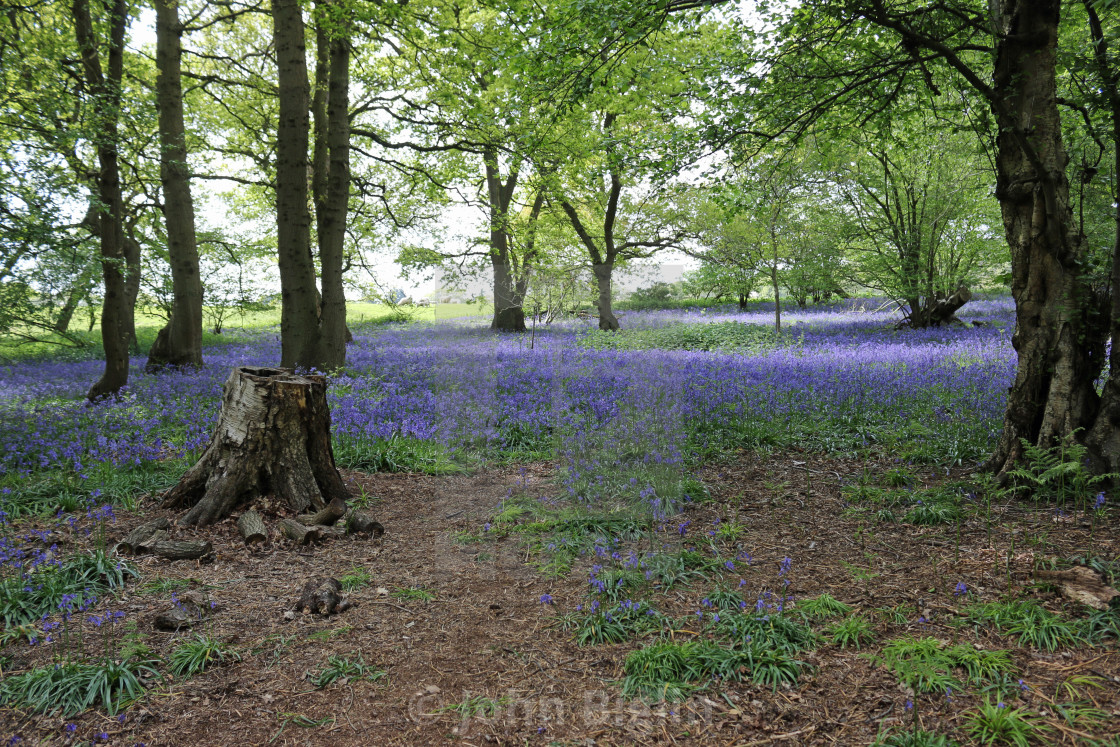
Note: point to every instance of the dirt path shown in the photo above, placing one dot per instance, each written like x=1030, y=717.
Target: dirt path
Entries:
x=486, y=642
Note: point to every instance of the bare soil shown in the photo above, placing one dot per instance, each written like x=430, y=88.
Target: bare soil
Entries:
x=487, y=633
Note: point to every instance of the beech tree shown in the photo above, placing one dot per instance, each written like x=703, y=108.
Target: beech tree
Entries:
x=179, y=343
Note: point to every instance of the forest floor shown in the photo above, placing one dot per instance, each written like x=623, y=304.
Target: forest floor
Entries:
x=480, y=659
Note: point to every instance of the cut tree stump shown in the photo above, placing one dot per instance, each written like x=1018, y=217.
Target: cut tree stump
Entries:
x=273, y=436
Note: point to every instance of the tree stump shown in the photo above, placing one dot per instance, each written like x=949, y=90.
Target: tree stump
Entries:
x=273, y=436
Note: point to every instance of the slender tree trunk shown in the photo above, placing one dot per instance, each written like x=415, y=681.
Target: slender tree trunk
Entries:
x=105, y=91
x=131, y=289
x=332, y=214
x=603, y=272
x=1060, y=346
x=299, y=325
x=777, y=297
x=78, y=291
x=179, y=343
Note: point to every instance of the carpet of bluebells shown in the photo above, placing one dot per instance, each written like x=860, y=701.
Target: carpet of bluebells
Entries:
x=624, y=423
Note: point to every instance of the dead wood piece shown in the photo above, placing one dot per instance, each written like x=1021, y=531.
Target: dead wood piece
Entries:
x=335, y=532
x=132, y=540
x=329, y=514
x=188, y=609
x=252, y=527
x=153, y=538
x=359, y=522
x=1080, y=584
x=322, y=596
x=179, y=550
x=273, y=436
x=300, y=534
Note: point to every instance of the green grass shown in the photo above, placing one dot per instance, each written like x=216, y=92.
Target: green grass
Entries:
x=852, y=631
x=200, y=653
x=395, y=454
x=414, y=594
x=345, y=668
x=823, y=607
x=357, y=578
x=476, y=705
x=728, y=336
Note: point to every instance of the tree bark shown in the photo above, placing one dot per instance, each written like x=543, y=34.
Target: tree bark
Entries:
x=251, y=527
x=299, y=323
x=331, y=350
x=273, y=436
x=1060, y=346
x=179, y=343
x=603, y=272
x=105, y=90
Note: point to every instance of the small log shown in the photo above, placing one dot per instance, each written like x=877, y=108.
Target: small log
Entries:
x=173, y=550
x=335, y=532
x=252, y=527
x=132, y=540
x=146, y=545
x=326, y=516
x=322, y=596
x=1082, y=585
x=359, y=522
x=299, y=533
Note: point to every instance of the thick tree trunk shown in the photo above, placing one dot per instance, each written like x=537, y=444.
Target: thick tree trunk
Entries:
x=509, y=304
x=1060, y=346
x=299, y=323
x=603, y=272
x=179, y=343
x=273, y=436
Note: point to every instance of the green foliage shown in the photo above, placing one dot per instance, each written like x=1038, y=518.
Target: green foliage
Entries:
x=394, y=454
x=52, y=588
x=778, y=632
x=70, y=688
x=926, y=665
x=822, y=607
x=914, y=738
x=992, y=724
x=623, y=622
x=851, y=631
x=723, y=336
x=348, y=669
x=1028, y=621
x=357, y=578
x=414, y=594
x=1060, y=474
x=671, y=671
x=200, y=653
